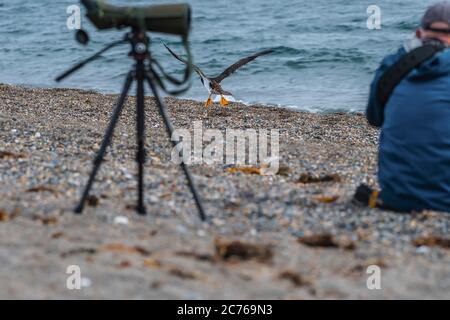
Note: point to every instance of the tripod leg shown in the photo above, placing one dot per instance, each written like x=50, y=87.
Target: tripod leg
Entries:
x=106, y=140
x=170, y=131
x=140, y=126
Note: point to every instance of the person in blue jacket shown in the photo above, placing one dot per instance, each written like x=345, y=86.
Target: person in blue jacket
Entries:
x=414, y=146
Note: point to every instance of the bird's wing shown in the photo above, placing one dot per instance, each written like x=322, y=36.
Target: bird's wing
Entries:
x=196, y=69
x=231, y=69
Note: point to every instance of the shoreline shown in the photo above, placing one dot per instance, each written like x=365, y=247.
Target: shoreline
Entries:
x=262, y=105
x=49, y=137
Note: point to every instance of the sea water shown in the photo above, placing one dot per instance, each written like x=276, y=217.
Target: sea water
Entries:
x=324, y=52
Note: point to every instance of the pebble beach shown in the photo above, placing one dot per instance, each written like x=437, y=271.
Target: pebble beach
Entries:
x=293, y=235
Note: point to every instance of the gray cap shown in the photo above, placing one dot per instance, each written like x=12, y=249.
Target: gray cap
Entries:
x=439, y=12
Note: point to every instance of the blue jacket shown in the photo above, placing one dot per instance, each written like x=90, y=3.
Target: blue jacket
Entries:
x=414, y=149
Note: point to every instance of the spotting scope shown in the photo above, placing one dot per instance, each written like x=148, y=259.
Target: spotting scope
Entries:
x=172, y=19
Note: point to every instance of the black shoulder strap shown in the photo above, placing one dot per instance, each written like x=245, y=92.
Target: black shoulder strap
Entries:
x=394, y=75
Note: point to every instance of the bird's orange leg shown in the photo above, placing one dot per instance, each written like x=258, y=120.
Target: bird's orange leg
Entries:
x=223, y=101
x=208, y=101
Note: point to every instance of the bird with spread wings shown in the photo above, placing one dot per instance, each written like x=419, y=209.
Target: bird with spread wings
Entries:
x=212, y=84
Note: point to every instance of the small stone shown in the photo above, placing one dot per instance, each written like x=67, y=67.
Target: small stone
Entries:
x=218, y=222
x=92, y=201
x=201, y=233
x=121, y=220
x=153, y=199
x=181, y=229
x=423, y=250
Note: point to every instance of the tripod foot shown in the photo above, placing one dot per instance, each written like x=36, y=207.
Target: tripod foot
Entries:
x=141, y=210
x=78, y=209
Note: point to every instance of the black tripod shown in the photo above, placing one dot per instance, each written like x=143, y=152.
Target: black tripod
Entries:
x=140, y=73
